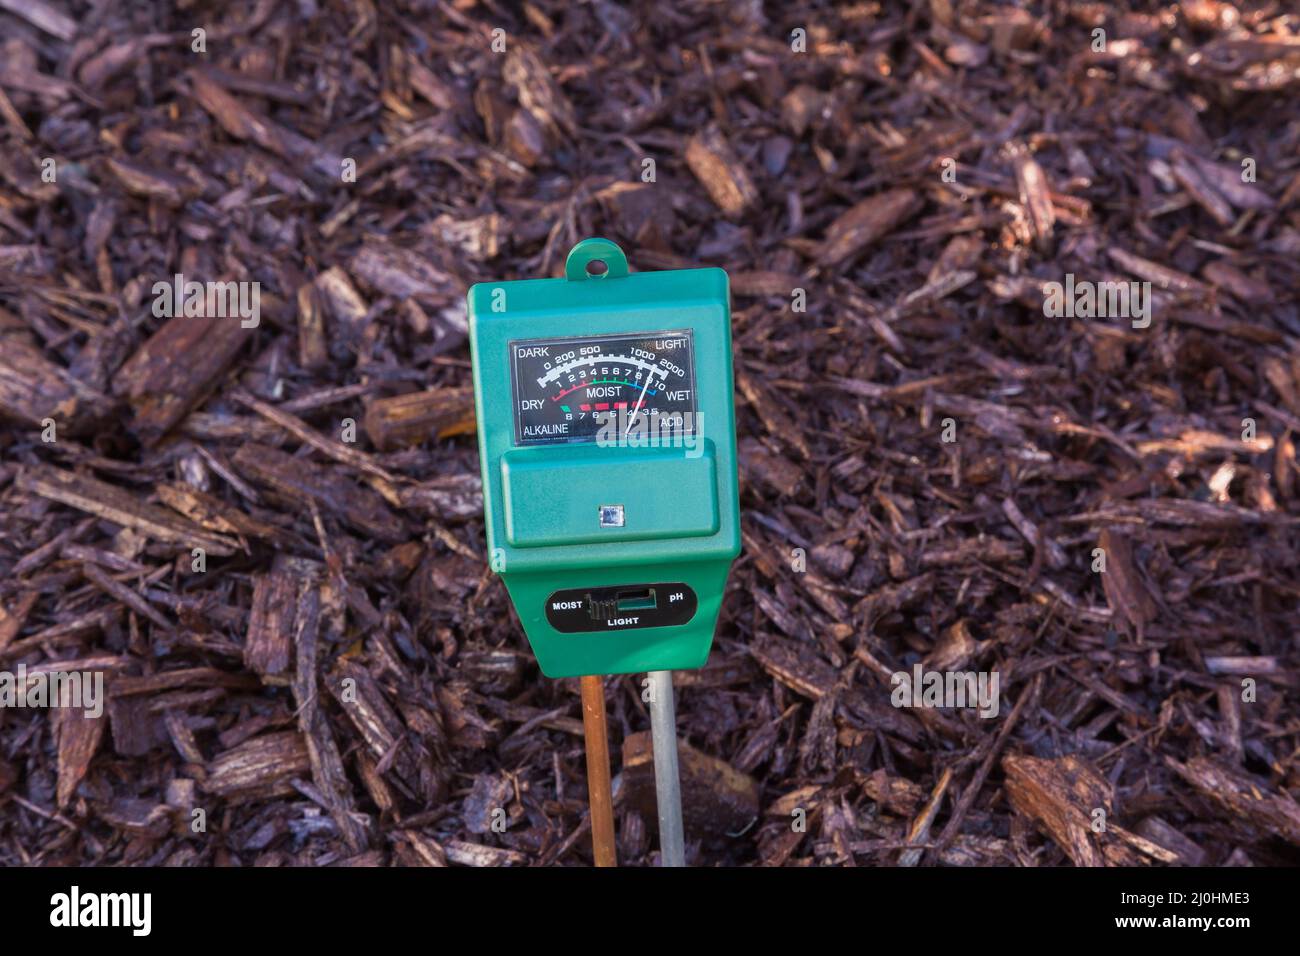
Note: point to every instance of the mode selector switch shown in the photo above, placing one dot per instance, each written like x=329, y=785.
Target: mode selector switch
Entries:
x=601, y=610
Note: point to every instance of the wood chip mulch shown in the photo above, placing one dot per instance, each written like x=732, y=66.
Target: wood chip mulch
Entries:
x=269, y=539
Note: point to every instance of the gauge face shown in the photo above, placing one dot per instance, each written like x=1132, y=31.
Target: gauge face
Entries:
x=582, y=389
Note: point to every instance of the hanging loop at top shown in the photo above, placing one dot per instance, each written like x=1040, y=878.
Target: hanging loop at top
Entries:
x=595, y=259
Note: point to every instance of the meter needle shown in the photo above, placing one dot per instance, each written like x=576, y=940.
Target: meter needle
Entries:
x=640, y=399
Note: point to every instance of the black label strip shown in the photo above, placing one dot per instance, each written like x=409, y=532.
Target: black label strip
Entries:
x=621, y=608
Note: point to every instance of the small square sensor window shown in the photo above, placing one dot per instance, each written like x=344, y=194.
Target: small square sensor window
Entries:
x=611, y=516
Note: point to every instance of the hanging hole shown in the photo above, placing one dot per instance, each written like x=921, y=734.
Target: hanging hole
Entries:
x=597, y=267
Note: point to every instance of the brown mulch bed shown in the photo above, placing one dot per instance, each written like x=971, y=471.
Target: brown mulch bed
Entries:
x=269, y=540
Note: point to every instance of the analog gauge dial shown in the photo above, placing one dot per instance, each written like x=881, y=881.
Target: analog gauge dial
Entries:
x=581, y=389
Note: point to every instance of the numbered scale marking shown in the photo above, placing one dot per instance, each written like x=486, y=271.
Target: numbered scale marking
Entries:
x=570, y=389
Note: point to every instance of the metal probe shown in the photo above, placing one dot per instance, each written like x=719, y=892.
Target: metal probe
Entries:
x=668, y=786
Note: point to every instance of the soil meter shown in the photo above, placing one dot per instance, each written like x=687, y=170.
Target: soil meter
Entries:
x=607, y=443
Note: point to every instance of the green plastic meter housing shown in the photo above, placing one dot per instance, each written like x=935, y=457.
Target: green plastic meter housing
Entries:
x=607, y=443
